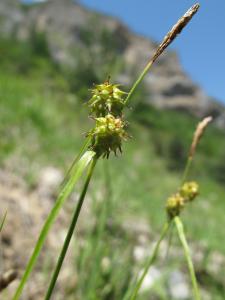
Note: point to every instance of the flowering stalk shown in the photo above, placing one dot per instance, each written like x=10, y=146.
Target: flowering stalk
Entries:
x=174, y=205
x=187, y=193
x=150, y=261
x=168, y=39
x=103, y=215
x=107, y=135
x=106, y=104
x=196, y=139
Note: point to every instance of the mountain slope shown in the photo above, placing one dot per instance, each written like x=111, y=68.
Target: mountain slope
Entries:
x=72, y=30
x=48, y=63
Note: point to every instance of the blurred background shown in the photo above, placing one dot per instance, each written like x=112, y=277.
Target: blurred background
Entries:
x=51, y=53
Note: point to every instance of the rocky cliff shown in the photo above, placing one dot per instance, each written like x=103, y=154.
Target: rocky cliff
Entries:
x=71, y=28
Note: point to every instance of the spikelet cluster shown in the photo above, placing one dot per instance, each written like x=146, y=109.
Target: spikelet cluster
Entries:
x=108, y=135
x=187, y=193
x=106, y=99
x=189, y=190
x=106, y=107
x=174, y=205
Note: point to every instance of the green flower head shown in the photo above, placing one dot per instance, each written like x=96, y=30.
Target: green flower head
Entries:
x=174, y=205
x=108, y=135
x=189, y=190
x=106, y=99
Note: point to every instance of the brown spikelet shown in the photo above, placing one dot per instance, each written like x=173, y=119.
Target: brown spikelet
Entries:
x=198, y=134
x=168, y=39
x=176, y=29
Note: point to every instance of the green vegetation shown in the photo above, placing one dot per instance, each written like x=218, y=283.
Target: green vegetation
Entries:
x=41, y=120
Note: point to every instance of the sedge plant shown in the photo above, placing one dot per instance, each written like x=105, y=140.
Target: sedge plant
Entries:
x=186, y=193
x=106, y=108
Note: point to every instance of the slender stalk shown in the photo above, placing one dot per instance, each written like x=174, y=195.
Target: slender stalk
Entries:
x=139, y=80
x=150, y=261
x=168, y=39
x=170, y=238
x=187, y=169
x=180, y=230
x=105, y=212
x=108, y=189
x=70, y=231
x=64, y=194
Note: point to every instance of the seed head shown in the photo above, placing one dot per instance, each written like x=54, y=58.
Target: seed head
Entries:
x=174, y=205
x=106, y=99
x=189, y=190
x=198, y=134
x=108, y=135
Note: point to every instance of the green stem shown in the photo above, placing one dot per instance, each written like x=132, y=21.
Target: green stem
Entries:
x=180, y=230
x=169, y=241
x=187, y=169
x=139, y=80
x=70, y=231
x=150, y=261
x=64, y=194
x=108, y=190
x=105, y=212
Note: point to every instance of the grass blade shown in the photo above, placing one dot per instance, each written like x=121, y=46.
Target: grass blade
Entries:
x=3, y=221
x=149, y=263
x=180, y=230
x=82, y=150
x=70, y=231
x=76, y=172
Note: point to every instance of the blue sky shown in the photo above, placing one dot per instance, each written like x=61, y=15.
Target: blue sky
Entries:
x=201, y=46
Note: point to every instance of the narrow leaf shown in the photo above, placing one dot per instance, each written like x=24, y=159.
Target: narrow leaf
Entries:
x=76, y=159
x=181, y=234
x=76, y=173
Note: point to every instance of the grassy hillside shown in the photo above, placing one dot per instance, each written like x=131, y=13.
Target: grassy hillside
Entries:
x=42, y=122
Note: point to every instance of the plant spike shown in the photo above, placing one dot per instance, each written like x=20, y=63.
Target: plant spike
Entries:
x=200, y=129
x=168, y=39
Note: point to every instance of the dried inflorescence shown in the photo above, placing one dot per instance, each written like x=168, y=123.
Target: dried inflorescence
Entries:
x=186, y=194
x=106, y=99
x=107, y=135
x=177, y=28
x=198, y=134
